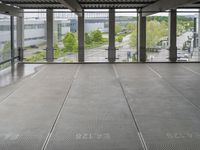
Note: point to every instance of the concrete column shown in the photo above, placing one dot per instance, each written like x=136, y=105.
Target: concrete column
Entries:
x=198, y=44
x=20, y=37
x=141, y=38
x=50, y=49
x=111, y=47
x=81, y=37
x=195, y=33
x=172, y=36
x=12, y=41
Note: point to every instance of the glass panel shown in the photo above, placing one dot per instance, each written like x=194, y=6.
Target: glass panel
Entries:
x=5, y=40
x=65, y=37
x=34, y=36
x=126, y=36
x=157, y=47
x=96, y=36
x=187, y=35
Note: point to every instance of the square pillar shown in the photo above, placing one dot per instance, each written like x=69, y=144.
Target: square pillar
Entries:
x=12, y=41
x=50, y=49
x=81, y=37
x=172, y=36
x=195, y=33
x=111, y=47
x=141, y=38
x=198, y=30
x=20, y=37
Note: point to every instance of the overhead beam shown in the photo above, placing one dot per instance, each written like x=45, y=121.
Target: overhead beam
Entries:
x=190, y=6
x=73, y=5
x=163, y=5
x=10, y=10
x=28, y=2
x=116, y=2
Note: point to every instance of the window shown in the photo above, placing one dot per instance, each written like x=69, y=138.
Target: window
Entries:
x=5, y=40
x=34, y=36
x=96, y=36
x=65, y=37
x=157, y=45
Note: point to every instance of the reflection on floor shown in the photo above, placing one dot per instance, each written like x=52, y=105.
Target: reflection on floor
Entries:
x=101, y=107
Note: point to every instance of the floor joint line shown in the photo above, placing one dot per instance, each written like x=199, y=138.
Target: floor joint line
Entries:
x=129, y=107
x=60, y=110
x=179, y=92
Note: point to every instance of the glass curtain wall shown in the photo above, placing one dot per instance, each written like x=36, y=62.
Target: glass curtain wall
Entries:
x=96, y=36
x=5, y=40
x=157, y=45
x=34, y=36
x=126, y=35
x=188, y=35
x=65, y=36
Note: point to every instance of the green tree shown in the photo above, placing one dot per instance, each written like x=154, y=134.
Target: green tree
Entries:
x=118, y=28
x=119, y=38
x=88, y=39
x=155, y=32
x=133, y=37
x=131, y=26
x=70, y=42
x=6, y=50
x=97, y=36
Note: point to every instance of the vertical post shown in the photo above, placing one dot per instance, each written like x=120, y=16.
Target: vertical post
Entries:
x=195, y=33
x=172, y=36
x=198, y=36
x=20, y=37
x=141, y=38
x=50, y=49
x=111, y=48
x=12, y=41
x=81, y=37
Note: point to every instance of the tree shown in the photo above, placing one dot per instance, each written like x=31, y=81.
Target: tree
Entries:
x=96, y=36
x=88, y=39
x=6, y=50
x=155, y=32
x=119, y=38
x=70, y=42
x=133, y=37
x=118, y=28
x=131, y=26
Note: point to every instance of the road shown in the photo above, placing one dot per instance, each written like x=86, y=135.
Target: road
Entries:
x=100, y=54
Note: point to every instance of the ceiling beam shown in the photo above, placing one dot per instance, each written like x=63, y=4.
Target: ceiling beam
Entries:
x=73, y=5
x=114, y=2
x=28, y=2
x=10, y=10
x=191, y=6
x=163, y=5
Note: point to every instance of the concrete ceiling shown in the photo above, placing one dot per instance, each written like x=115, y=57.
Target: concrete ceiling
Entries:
x=78, y=5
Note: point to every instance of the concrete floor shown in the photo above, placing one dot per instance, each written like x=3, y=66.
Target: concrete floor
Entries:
x=103, y=107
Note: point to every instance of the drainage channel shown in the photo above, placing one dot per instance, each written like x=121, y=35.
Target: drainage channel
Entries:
x=60, y=110
x=132, y=113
